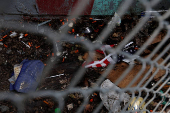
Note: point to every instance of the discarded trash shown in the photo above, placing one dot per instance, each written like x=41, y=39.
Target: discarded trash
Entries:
x=128, y=48
x=87, y=30
x=70, y=106
x=55, y=76
x=101, y=63
x=57, y=110
x=70, y=24
x=28, y=78
x=80, y=58
x=112, y=99
x=13, y=34
x=136, y=104
x=25, y=44
x=116, y=19
x=21, y=35
x=17, y=69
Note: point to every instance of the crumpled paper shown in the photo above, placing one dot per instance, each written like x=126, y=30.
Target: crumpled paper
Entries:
x=112, y=99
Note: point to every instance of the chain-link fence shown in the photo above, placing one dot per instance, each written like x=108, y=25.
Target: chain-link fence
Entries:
x=133, y=76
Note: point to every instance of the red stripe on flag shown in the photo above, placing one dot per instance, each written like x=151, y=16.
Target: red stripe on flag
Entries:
x=106, y=62
x=99, y=51
x=98, y=65
x=112, y=45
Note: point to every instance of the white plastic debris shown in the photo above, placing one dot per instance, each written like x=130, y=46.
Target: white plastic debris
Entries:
x=136, y=104
x=12, y=80
x=21, y=35
x=25, y=44
x=13, y=34
x=80, y=58
x=70, y=106
x=70, y=24
x=127, y=45
x=116, y=19
x=17, y=69
x=112, y=99
x=55, y=76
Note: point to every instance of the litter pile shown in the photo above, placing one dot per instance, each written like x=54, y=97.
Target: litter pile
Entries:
x=31, y=52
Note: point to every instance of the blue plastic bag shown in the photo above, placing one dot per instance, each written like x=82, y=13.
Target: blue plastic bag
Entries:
x=28, y=77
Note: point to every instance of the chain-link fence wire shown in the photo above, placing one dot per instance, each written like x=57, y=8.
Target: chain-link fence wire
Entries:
x=140, y=87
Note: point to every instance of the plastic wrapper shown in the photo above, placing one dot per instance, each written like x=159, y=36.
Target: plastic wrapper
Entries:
x=116, y=19
x=137, y=104
x=112, y=99
x=28, y=77
x=17, y=69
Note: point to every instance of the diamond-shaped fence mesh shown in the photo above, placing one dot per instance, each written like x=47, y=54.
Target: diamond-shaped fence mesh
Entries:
x=137, y=83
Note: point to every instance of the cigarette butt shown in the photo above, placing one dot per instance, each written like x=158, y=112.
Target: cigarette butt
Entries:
x=45, y=102
x=94, y=21
x=73, y=30
x=37, y=47
x=91, y=100
x=76, y=51
x=63, y=59
x=4, y=36
x=52, y=54
x=5, y=46
x=95, y=94
x=29, y=43
x=136, y=48
x=26, y=35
